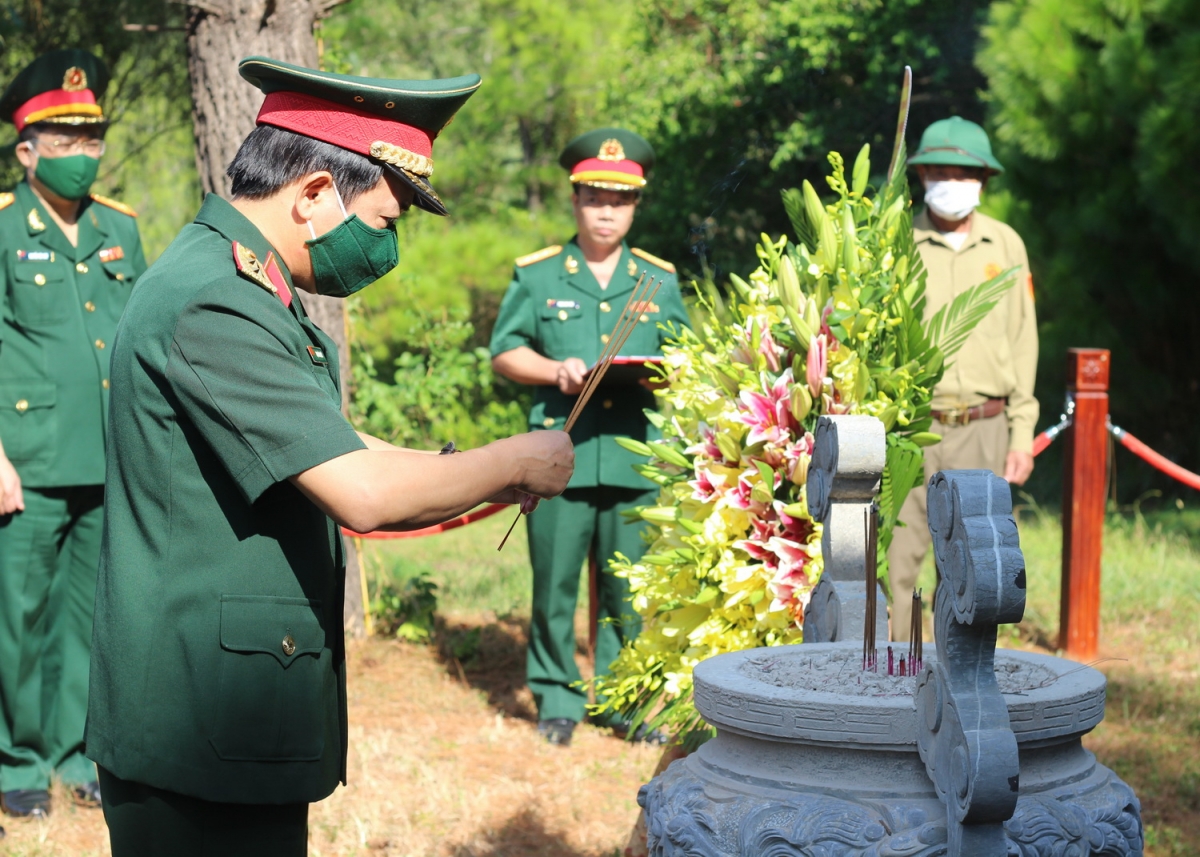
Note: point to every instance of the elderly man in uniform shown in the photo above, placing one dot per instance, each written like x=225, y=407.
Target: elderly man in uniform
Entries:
x=984, y=407
x=218, y=694
x=69, y=260
x=556, y=318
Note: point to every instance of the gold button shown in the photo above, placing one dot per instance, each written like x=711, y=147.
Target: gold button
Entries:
x=40, y=279
x=607, y=404
x=604, y=307
x=289, y=645
x=562, y=315
x=81, y=267
x=89, y=306
x=22, y=405
x=100, y=344
x=120, y=276
x=390, y=105
x=645, y=317
x=604, y=338
x=547, y=422
x=104, y=383
x=358, y=98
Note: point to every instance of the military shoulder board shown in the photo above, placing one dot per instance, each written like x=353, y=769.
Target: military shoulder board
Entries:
x=7, y=199
x=652, y=259
x=113, y=204
x=264, y=274
x=544, y=253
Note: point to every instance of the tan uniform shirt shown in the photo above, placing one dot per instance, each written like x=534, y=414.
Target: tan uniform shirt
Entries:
x=999, y=359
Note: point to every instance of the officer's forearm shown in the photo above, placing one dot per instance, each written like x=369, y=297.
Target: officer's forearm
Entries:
x=403, y=490
x=525, y=366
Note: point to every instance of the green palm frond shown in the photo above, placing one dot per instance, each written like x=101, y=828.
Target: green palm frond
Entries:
x=953, y=323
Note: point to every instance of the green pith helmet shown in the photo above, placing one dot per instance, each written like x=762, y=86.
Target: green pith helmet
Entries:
x=956, y=142
x=62, y=87
x=393, y=122
x=609, y=158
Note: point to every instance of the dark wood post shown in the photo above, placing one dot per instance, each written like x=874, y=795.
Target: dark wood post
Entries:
x=1085, y=469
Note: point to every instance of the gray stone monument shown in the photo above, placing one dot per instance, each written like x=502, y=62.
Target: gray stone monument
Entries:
x=980, y=754
x=843, y=480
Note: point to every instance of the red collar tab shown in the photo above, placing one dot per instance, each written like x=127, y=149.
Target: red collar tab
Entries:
x=277, y=279
x=356, y=130
x=57, y=103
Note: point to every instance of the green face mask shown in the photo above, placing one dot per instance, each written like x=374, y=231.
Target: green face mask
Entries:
x=69, y=177
x=351, y=256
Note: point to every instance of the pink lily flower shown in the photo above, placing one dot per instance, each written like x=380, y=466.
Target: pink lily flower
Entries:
x=768, y=414
x=818, y=355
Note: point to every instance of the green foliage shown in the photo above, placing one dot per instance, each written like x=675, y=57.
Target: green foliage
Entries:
x=741, y=96
x=1093, y=106
x=439, y=391
x=406, y=610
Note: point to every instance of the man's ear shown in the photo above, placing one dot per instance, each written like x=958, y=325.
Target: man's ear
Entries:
x=25, y=155
x=311, y=192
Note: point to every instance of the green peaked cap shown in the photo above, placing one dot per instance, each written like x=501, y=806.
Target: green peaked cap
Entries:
x=62, y=87
x=956, y=142
x=394, y=122
x=610, y=158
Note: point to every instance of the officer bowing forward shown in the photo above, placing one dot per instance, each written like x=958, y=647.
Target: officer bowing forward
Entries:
x=556, y=318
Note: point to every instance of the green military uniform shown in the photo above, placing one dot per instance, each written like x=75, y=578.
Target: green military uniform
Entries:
x=984, y=404
x=556, y=307
x=59, y=308
x=218, y=671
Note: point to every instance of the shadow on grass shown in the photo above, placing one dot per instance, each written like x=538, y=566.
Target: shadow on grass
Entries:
x=489, y=658
x=1151, y=738
x=523, y=835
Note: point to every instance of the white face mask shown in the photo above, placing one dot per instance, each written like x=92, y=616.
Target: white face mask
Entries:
x=952, y=200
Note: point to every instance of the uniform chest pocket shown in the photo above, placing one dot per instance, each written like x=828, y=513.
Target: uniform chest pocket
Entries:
x=275, y=680
x=561, y=327
x=120, y=272
x=39, y=293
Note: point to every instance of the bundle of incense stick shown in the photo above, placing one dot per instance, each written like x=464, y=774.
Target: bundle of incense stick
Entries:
x=643, y=293
x=916, y=633
x=870, y=652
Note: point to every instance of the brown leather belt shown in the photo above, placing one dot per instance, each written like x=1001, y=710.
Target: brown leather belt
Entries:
x=962, y=416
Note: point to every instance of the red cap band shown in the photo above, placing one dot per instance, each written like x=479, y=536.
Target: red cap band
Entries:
x=596, y=165
x=56, y=102
x=342, y=126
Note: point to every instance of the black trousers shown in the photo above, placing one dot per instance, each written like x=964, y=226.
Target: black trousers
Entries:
x=147, y=822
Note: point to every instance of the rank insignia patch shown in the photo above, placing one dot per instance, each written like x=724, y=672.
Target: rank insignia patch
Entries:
x=111, y=254
x=35, y=221
x=632, y=268
x=571, y=265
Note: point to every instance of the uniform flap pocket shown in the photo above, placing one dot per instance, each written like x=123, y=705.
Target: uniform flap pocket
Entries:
x=39, y=273
x=24, y=396
x=283, y=627
x=120, y=270
x=560, y=311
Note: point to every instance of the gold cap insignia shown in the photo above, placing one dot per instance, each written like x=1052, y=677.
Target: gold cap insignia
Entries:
x=611, y=150
x=571, y=265
x=75, y=79
x=35, y=221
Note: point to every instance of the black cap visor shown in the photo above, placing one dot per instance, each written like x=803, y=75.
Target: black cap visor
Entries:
x=426, y=198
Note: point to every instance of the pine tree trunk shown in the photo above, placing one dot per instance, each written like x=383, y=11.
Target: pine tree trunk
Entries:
x=220, y=33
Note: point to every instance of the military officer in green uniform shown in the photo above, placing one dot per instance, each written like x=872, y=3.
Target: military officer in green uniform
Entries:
x=69, y=261
x=556, y=318
x=218, y=696
x=983, y=407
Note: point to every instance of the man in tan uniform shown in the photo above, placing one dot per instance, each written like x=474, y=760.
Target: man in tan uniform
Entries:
x=984, y=407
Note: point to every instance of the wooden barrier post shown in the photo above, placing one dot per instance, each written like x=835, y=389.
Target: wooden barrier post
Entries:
x=1085, y=468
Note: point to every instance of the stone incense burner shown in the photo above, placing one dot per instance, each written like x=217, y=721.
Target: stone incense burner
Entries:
x=978, y=754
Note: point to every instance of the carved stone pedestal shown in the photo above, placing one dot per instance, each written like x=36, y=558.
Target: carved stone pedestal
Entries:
x=801, y=767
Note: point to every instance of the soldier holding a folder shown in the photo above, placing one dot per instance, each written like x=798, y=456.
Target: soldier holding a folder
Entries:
x=556, y=318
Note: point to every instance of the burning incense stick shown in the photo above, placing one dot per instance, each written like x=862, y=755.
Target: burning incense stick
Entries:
x=915, y=633
x=870, y=524
x=626, y=323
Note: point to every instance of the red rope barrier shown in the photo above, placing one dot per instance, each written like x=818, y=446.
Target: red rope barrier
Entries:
x=1154, y=459
x=452, y=524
